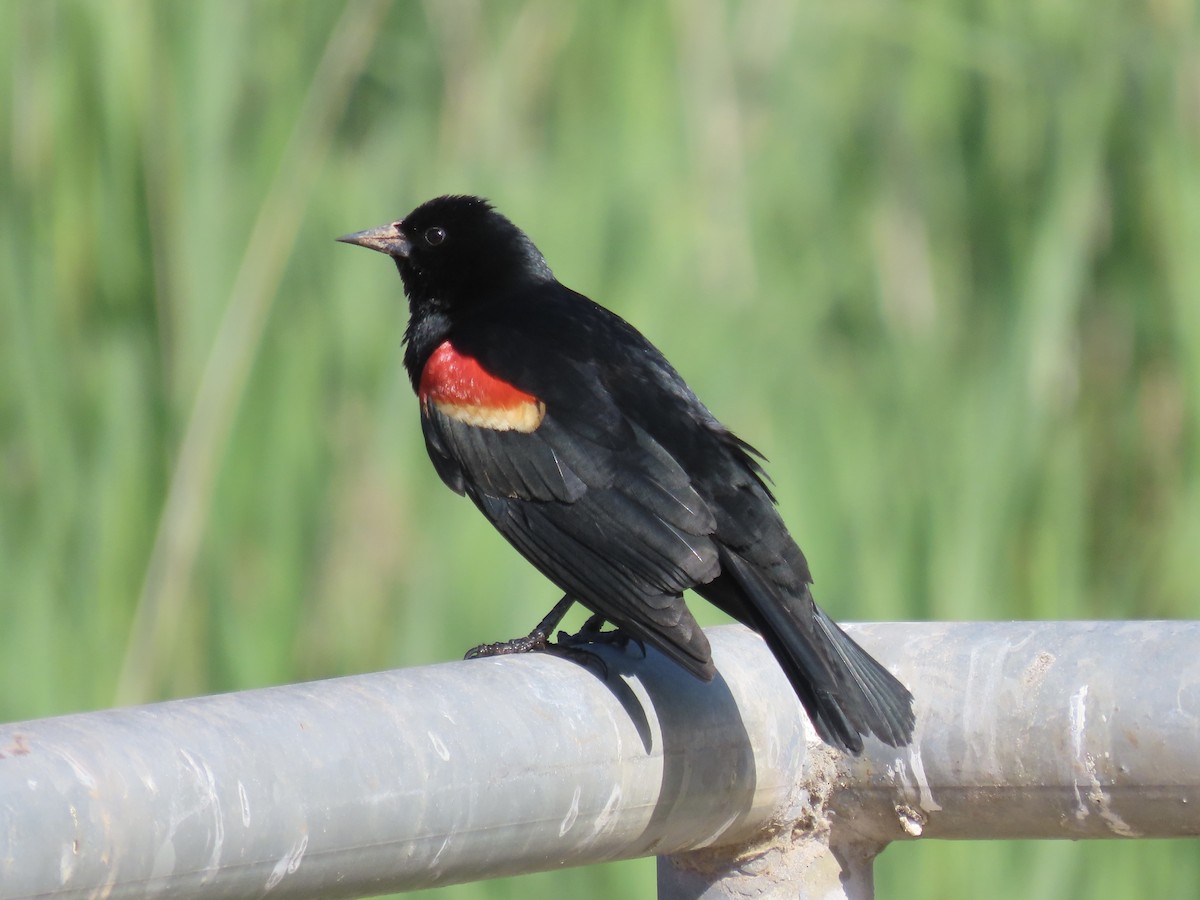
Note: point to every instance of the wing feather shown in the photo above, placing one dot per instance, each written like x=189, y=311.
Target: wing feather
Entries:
x=626, y=538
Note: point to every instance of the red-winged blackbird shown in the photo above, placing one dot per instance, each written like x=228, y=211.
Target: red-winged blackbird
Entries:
x=579, y=442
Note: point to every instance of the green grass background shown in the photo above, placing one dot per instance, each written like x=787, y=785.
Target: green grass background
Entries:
x=940, y=261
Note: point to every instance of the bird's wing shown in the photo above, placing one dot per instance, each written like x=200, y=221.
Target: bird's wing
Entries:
x=593, y=501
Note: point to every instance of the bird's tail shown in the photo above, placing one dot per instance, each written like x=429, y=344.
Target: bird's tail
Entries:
x=846, y=693
x=870, y=699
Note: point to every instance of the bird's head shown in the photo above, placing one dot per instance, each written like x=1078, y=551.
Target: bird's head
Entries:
x=455, y=251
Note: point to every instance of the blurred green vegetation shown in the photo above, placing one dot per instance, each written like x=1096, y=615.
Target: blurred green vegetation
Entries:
x=940, y=261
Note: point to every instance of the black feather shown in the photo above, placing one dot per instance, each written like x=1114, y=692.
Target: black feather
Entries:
x=629, y=491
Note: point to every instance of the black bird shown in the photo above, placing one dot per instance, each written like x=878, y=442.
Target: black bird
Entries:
x=585, y=448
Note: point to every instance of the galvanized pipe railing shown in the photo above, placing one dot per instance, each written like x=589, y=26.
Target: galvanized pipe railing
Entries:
x=419, y=777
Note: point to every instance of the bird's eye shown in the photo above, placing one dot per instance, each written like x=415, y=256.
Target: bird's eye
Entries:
x=435, y=236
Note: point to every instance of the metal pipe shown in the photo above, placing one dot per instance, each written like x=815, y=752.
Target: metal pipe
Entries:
x=420, y=777
x=1037, y=730
x=397, y=780
x=1024, y=730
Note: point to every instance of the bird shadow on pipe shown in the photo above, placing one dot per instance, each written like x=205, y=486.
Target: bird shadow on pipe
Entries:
x=709, y=770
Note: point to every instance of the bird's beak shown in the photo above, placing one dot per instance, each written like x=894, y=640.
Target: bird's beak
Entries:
x=387, y=239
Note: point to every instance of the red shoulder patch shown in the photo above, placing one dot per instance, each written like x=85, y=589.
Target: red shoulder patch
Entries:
x=462, y=389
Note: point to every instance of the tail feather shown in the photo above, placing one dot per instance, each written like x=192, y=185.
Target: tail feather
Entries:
x=887, y=704
x=846, y=692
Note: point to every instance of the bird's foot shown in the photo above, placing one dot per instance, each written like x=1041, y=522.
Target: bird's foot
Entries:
x=538, y=639
x=568, y=646
x=593, y=632
x=535, y=640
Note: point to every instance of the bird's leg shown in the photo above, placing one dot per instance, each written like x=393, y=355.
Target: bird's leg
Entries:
x=538, y=639
x=592, y=627
x=593, y=632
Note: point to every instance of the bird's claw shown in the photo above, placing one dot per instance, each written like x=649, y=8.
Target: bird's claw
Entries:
x=568, y=646
x=535, y=640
